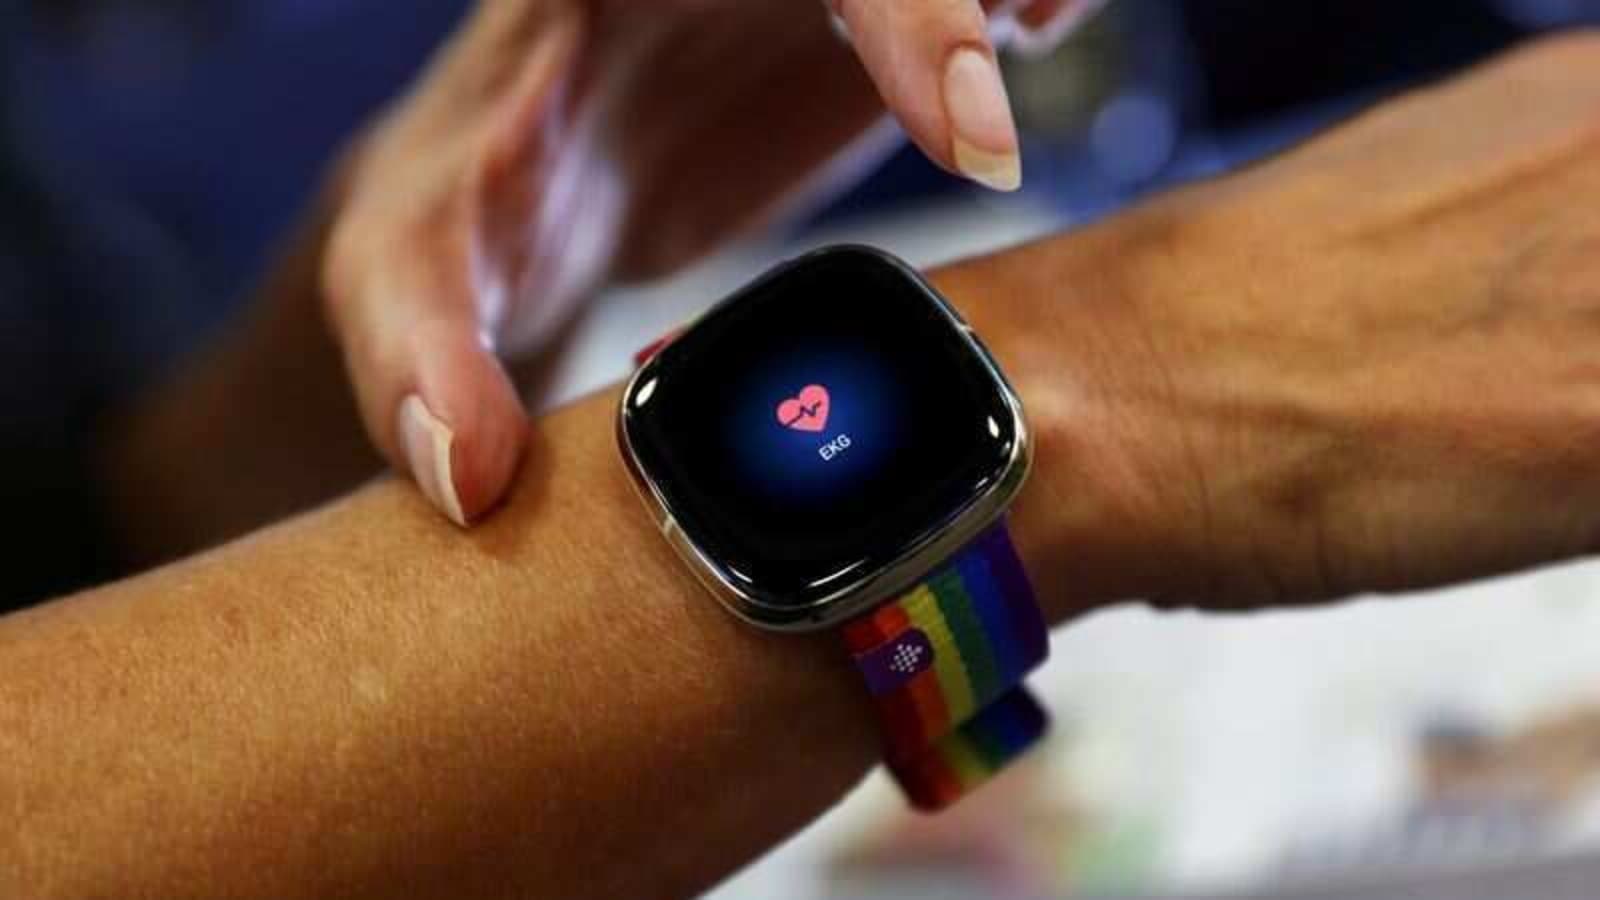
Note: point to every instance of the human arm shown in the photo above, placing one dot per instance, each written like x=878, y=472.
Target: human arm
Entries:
x=363, y=701
x=555, y=146
x=444, y=205
x=1231, y=412
x=653, y=135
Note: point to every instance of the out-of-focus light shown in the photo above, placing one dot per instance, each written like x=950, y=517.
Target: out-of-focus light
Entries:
x=1133, y=137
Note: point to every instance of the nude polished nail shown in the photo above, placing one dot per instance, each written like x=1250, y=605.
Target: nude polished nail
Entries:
x=427, y=443
x=983, y=133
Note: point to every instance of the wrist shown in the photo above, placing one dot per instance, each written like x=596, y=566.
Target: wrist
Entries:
x=1105, y=516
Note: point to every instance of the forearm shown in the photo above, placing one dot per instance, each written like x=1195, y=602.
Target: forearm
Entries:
x=367, y=700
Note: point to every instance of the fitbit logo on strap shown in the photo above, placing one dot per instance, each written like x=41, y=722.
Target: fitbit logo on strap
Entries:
x=906, y=656
x=891, y=664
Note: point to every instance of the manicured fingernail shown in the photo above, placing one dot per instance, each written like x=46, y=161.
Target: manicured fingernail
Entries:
x=427, y=442
x=983, y=134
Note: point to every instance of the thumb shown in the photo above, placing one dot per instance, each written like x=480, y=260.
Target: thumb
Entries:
x=403, y=280
x=433, y=397
x=936, y=69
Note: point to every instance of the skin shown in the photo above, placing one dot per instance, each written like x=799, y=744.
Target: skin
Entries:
x=1396, y=392
x=439, y=247
x=558, y=144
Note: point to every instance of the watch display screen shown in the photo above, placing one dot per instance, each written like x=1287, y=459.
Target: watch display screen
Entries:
x=820, y=424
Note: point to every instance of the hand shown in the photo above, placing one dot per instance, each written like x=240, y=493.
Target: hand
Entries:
x=1369, y=365
x=556, y=143
x=935, y=67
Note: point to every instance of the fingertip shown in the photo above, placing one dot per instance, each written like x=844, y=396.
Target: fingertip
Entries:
x=983, y=133
x=487, y=462
x=473, y=398
x=938, y=74
x=436, y=401
x=428, y=445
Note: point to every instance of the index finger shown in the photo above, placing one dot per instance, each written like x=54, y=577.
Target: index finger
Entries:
x=934, y=65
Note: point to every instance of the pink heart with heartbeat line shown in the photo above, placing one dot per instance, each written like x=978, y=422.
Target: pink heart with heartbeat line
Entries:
x=807, y=412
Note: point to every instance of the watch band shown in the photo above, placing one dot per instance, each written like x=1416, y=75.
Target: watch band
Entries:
x=945, y=663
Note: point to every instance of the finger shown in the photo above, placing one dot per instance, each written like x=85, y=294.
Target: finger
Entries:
x=434, y=399
x=936, y=69
x=464, y=455
x=409, y=309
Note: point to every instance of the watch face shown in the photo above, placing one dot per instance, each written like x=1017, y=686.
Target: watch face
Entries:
x=819, y=427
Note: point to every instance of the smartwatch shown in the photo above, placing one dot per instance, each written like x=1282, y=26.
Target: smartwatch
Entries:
x=833, y=448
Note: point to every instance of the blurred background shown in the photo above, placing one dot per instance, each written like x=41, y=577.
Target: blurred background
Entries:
x=152, y=154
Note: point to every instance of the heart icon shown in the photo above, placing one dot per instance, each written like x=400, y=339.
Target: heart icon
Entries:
x=807, y=412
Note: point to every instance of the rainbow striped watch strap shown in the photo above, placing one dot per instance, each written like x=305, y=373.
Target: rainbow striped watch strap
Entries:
x=945, y=663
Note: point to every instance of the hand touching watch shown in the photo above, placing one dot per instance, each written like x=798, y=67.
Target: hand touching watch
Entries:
x=556, y=144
